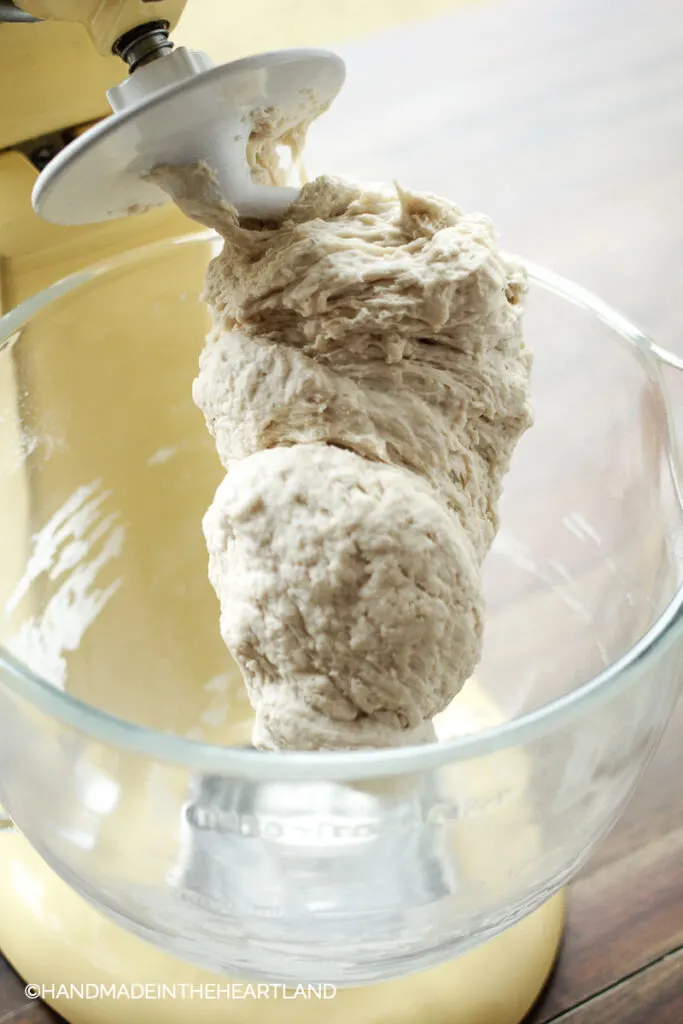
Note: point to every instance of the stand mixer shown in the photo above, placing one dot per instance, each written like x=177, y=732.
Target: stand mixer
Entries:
x=146, y=853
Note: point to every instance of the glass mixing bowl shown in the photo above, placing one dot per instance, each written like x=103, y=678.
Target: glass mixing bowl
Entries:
x=123, y=725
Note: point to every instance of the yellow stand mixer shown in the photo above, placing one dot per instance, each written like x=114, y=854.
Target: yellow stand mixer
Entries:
x=61, y=57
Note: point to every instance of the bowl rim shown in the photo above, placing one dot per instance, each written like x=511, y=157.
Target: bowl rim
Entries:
x=355, y=764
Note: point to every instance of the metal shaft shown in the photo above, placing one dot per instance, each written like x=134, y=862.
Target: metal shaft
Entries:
x=10, y=13
x=143, y=44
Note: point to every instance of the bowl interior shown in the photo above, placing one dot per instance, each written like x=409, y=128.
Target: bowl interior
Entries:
x=106, y=470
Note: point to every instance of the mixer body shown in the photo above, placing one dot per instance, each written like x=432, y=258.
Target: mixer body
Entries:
x=424, y=870
x=107, y=21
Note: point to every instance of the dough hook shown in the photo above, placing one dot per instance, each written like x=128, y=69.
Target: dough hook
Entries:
x=177, y=108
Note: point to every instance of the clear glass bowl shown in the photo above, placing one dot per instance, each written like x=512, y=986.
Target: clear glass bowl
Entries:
x=122, y=719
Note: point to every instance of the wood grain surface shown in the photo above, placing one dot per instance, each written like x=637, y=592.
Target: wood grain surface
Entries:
x=15, y=1008
x=564, y=121
x=655, y=995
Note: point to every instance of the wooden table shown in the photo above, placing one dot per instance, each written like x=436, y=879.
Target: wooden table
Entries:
x=564, y=121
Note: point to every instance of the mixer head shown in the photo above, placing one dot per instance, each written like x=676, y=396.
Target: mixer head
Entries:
x=176, y=108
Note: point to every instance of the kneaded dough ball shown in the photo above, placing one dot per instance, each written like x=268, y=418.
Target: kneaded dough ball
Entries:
x=350, y=597
x=366, y=381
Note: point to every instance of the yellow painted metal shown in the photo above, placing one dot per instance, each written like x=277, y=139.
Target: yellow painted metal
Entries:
x=106, y=20
x=52, y=78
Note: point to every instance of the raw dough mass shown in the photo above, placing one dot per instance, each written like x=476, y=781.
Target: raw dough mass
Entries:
x=365, y=381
